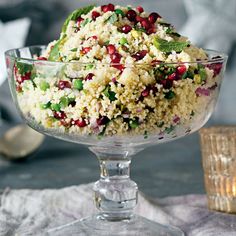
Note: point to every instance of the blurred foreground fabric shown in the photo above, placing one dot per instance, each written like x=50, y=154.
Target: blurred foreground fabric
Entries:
x=32, y=212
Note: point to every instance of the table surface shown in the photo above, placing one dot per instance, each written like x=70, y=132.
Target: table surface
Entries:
x=167, y=169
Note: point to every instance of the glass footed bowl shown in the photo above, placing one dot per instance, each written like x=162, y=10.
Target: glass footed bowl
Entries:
x=116, y=110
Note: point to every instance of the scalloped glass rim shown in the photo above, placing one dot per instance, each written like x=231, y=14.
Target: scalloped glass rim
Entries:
x=215, y=53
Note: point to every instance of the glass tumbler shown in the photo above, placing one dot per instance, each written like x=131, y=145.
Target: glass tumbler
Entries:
x=218, y=145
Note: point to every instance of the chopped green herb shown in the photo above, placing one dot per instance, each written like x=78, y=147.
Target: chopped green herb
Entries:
x=106, y=43
x=110, y=94
x=23, y=67
x=172, y=32
x=140, y=29
x=78, y=84
x=169, y=95
x=75, y=14
x=123, y=41
x=188, y=74
x=202, y=72
x=120, y=12
x=64, y=102
x=45, y=106
x=55, y=107
x=160, y=124
x=169, y=129
x=85, y=22
x=129, y=8
x=133, y=124
x=74, y=50
x=112, y=19
x=169, y=46
x=89, y=66
x=164, y=24
x=192, y=113
x=145, y=134
x=44, y=85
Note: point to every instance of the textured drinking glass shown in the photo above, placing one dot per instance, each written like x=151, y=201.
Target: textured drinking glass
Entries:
x=115, y=192
x=219, y=163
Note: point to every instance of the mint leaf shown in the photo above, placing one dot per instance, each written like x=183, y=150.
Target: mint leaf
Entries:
x=55, y=52
x=112, y=19
x=75, y=14
x=167, y=47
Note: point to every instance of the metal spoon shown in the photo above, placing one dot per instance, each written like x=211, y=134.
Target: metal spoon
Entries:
x=20, y=141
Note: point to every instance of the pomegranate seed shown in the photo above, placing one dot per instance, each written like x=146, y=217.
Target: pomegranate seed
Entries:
x=102, y=120
x=119, y=67
x=111, y=49
x=42, y=58
x=139, y=18
x=140, y=9
x=86, y=50
x=15, y=70
x=154, y=89
x=62, y=84
x=153, y=17
x=79, y=20
x=114, y=80
x=140, y=55
x=167, y=84
x=216, y=67
x=93, y=37
x=22, y=78
x=156, y=62
x=181, y=69
x=89, y=76
x=95, y=15
x=145, y=92
x=126, y=29
x=151, y=30
x=65, y=123
x=60, y=115
x=18, y=88
x=111, y=7
x=172, y=76
x=131, y=15
x=115, y=57
x=146, y=24
x=80, y=123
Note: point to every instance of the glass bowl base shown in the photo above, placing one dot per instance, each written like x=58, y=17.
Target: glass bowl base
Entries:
x=96, y=226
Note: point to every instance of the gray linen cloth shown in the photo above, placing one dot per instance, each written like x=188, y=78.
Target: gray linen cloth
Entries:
x=31, y=212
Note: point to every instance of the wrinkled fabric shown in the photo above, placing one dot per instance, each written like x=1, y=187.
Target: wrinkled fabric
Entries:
x=33, y=212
